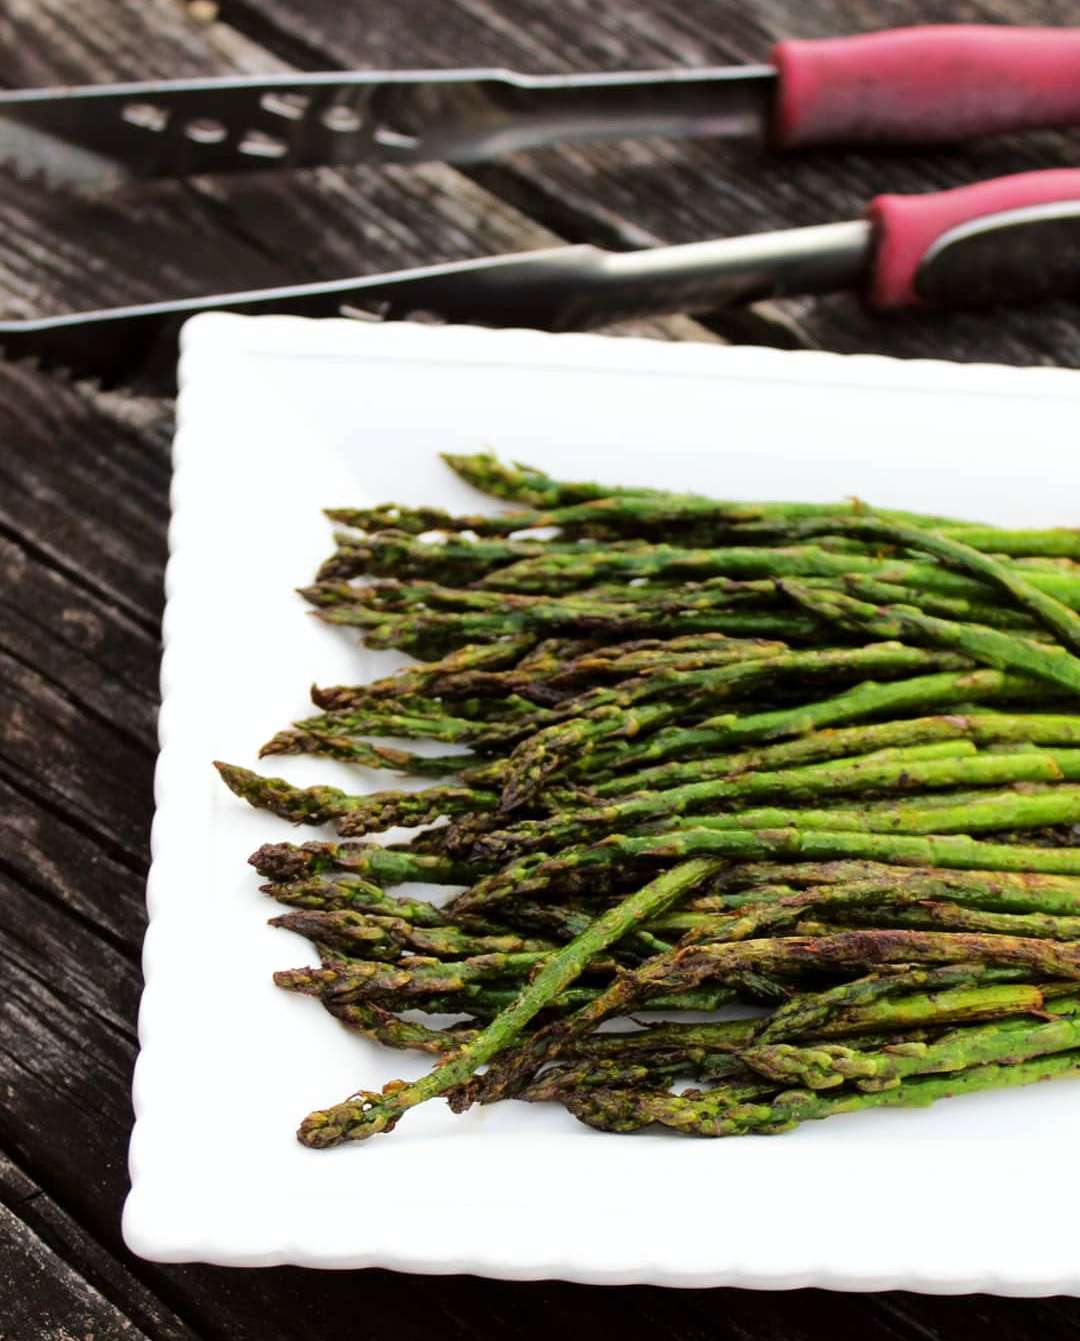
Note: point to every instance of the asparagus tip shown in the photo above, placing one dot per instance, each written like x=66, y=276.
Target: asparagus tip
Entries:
x=306, y=981
x=281, y=862
x=363, y=1115
x=237, y=779
x=302, y=922
x=288, y=741
x=327, y=698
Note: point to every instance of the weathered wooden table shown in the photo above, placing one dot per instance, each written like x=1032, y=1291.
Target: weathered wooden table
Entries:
x=83, y=510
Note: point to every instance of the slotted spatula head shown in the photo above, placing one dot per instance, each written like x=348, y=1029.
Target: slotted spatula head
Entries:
x=101, y=135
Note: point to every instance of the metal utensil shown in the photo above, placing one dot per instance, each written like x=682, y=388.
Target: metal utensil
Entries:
x=924, y=84
x=1014, y=238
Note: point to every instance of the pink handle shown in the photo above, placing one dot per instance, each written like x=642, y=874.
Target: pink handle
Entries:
x=907, y=226
x=927, y=84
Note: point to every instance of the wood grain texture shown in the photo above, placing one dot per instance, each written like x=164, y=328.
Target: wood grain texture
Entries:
x=83, y=508
x=44, y=1298
x=69, y=1264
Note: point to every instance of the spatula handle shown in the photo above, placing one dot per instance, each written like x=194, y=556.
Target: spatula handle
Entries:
x=929, y=84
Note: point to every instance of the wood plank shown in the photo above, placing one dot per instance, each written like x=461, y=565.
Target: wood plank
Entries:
x=652, y=191
x=50, y=749
x=54, y=41
x=38, y=950
x=64, y=1065
x=44, y=1297
x=49, y=857
x=104, y=659
x=68, y=1252
x=84, y=490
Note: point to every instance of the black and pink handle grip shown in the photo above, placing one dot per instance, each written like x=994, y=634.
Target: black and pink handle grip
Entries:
x=926, y=84
x=907, y=227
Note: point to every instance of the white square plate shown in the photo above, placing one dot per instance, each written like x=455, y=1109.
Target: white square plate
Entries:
x=280, y=417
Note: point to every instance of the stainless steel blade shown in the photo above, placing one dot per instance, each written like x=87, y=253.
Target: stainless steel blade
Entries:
x=100, y=135
x=564, y=288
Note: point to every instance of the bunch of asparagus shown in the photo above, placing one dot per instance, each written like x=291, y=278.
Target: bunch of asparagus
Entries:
x=819, y=760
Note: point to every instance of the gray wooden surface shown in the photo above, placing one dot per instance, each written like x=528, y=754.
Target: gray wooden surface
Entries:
x=83, y=508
